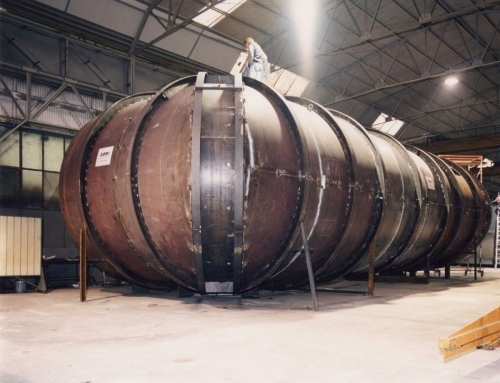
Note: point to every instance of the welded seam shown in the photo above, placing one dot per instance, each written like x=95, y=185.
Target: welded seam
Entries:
x=318, y=209
x=252, y=158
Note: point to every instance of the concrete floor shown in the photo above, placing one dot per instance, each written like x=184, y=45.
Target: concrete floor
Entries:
x=121, y=337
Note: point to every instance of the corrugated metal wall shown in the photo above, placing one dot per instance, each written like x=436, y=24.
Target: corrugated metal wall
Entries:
x=20, y=246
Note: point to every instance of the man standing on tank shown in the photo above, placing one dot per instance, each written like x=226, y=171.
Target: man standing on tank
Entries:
x=257, y=64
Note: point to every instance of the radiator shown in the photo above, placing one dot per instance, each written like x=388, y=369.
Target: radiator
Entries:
x=20, y=246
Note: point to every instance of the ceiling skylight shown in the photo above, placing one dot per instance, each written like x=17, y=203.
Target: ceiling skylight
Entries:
x=286, y=82
x=211, y=17
x=387, y=124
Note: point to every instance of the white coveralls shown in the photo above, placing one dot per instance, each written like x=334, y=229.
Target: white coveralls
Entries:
x=257, y=64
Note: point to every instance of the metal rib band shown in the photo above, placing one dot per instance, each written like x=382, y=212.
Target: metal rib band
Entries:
x=239, y=183
x=195, y=182
x=93, y=234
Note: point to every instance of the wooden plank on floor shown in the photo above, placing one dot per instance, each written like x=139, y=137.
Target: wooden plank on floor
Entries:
x=480, y=332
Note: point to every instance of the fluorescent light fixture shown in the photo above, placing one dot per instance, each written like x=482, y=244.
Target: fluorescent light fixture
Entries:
x=387, y=124
x=451, y=81
x=211, y=17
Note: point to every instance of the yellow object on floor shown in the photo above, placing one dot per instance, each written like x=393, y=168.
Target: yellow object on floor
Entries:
x=483, y=331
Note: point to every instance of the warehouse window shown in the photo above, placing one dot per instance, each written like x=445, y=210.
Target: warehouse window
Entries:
x=31, y=192
x=30, y=163
x=9, y=151
x=387, y=124
x=32, y=150
x=212, y=17
x=10, y=187
x=53, y=153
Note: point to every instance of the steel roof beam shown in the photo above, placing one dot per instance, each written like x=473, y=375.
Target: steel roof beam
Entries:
x=144, y=19
x=83, y=84
x=38, y=113
x=353, y=19
x=377, y=89
x=425, y=30
x=467, y=28
x=12, y=97
x=232, y=17
x=462, y=145
x=380, y=51
x=395, y=32
x=447, y=45
x=417, y=80
x=172, y=29
x=467, y=131
x=456, y=106
x=148, y=58
x=425, y=128
x=425, y=53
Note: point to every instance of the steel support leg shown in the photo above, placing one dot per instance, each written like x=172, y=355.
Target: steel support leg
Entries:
x=475, y=259
x=427, y=269
x=447, y=272
x=83, y=264
x=371, y=269
x=309, y=267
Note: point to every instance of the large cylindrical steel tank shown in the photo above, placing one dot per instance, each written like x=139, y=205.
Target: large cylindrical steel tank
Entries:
x=205, y=183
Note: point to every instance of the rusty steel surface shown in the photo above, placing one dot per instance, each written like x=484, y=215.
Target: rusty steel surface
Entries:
x=479, y=208
x=400, y=212
x=206, y=183
x=72, y=188
x=274, y=165
x=450, y=201
x=366, y=185
x=328, y=176
x=107, y=205
x=431, y=220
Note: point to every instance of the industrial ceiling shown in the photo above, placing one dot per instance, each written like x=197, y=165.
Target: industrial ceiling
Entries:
x=362, y=58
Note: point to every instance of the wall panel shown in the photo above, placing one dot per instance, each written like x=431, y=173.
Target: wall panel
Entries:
x=20, y=246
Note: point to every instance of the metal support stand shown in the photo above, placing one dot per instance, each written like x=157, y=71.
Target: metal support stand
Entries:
x=497, y=236
x=475, y=258
x=427, y=269
x=136, y=289
x=371, y=278
x=41, y=284
x=184, y=293
x=83, y=264
x=309, y=267
x=447, y=272
x=252, y=294
x=474, y=252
